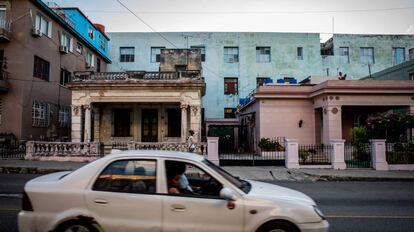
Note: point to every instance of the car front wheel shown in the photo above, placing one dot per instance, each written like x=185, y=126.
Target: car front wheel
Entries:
x=278, y=226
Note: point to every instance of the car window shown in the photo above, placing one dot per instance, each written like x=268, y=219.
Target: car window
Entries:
x=186, y=179
x=130, y=176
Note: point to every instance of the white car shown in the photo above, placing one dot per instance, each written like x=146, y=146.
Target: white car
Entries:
x=162, y=191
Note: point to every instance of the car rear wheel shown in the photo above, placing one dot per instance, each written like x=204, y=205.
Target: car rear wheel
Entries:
x=76, y=227
x=278, y=226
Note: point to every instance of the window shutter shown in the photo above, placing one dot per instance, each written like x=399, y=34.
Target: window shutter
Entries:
x=71, y=44
x=49, y=29
x=37, y=23
x=93, y=60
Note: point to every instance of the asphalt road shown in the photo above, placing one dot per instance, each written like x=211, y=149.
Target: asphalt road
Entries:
x=348, y=206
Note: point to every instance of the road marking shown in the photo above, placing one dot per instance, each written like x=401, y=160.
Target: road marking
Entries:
x=9, y=209
x=10, y=195
x=371, y=216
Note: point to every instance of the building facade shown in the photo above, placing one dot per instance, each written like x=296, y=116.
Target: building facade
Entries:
x=403, y=71
x=40, y=50
x=321, y=113
x=235, y=63
x=144, y=107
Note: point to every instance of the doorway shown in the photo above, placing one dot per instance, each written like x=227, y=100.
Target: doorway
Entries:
x=149, y=127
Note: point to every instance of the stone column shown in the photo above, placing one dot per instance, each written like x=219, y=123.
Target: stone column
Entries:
x=76, y=123
x=183, y=122
x=379, y=160
x=332, y=123
x=195, y=121
x=96, y=123
x=136, y=123
x=213, y=149
x=338, y=154
x=87, y=134
x=292, y=154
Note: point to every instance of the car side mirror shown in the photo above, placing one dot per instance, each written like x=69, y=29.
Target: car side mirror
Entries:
x=228, y=194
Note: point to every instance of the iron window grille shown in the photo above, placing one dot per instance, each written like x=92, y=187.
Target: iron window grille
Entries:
x=262, y=54
x=127, y=54
x=156, y=54
x=40, y=114
x=230, y=86
x=41, y=68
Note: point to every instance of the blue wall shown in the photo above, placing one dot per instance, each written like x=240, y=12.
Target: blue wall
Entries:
x=81, y=26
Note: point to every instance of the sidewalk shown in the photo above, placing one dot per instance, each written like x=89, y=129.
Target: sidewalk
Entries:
x=254, y=173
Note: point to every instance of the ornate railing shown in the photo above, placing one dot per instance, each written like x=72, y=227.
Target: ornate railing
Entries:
x=59, y=151
x=201, y=148
x=136, y=75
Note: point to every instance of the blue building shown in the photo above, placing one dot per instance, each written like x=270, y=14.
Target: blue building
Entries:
x=93, y=33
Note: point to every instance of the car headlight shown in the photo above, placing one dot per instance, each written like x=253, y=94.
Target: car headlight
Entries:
x=318, y=212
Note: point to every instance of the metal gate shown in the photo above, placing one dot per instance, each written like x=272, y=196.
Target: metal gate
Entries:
x=230, y=155
x=358, y=155
x=13, y=150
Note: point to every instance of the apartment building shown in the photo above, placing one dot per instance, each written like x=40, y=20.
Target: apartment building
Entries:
x=40, y=48
x=235, y=63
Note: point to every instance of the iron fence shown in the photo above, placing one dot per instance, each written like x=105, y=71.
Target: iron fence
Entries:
x=230, y=155
x=399, y=153
x=13, y=150
x=120, y=145
x=315, y=154
x=358, y=155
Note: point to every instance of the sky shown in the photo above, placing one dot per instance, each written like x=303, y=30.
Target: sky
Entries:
x=320, y=16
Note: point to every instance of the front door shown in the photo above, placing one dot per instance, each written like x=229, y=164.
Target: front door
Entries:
x=193, y=203
x=149, y=125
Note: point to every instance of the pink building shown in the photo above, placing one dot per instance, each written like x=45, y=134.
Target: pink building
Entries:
x=323, y=111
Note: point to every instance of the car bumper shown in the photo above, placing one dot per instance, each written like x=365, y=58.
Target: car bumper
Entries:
x=322, y=226
x=26, y=221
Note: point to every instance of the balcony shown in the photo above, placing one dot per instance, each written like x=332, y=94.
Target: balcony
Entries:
x=137, y=76
x=4, y=85
x=5, y=30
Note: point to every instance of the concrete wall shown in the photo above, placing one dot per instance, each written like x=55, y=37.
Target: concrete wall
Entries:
x=284, y=62
x=170, y=58
x=382, y=45
x=24, y=88
x=398, y=72
x=280, y=118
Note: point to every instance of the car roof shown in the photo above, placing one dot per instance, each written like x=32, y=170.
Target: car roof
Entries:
x=156, y=153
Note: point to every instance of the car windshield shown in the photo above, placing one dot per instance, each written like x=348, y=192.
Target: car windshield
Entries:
x=239, y=183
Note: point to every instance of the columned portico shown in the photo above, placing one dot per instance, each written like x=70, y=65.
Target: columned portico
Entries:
x=76, y=123
x=332, y=123
x=87, y=128
x=183, y=122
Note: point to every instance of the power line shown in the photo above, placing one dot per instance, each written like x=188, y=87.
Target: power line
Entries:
x=249, y=12
x=153, y=29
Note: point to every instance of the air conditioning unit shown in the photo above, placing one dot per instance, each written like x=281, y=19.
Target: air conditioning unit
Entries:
x=88, y=65
x=36, y=32
x=63, y=49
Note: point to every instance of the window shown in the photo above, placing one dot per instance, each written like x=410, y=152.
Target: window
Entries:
x=41, y=68
x=121, y=126
x=174, y=122
x=65, y=76
x=229, y=112
x=128, y=176
x=185, y=179
x=127, y=54
x=367, y=55
x=44, y=25
x=299, y=53
x=3, y=16
x=40, y=114
x=412, y=76
x=64, y=115
x=263, y=80
x=90, y=59
x=230, y=86
x=203, y=52
x=231, y=54
x=156, y=54
x=398, y=55
x=98, y=65
x=411, y=54
x=91, y=32
x=66, y=40
x=262, y=54
x=344, y=55
x=102, y=42
x=79, y=48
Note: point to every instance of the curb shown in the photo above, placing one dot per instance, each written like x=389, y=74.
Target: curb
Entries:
x=310, y=178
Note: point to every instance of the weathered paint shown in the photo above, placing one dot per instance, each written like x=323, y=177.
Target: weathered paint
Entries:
x=283, y=60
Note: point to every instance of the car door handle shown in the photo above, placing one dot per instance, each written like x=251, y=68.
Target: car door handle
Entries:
x=101, y=201
x=177, y=208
